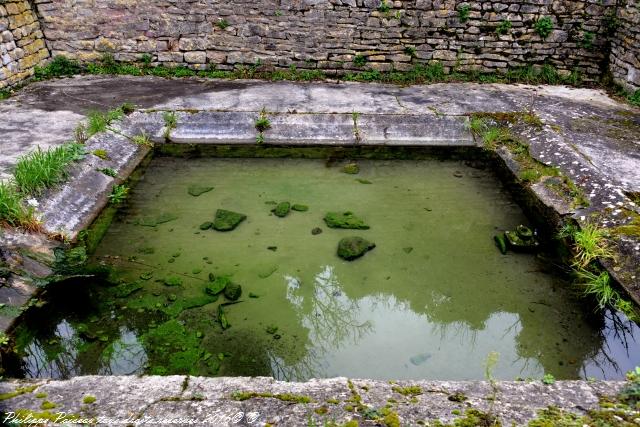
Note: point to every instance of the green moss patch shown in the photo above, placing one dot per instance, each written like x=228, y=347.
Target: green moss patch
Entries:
x=197, y=190
x=227, y=220
x=350, y=248
x=346, y=220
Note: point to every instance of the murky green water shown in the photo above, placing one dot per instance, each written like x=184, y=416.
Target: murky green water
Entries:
x=432, y=300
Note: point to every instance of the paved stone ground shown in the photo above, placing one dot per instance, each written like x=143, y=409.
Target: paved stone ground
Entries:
x=592, y=138
x=210, y=401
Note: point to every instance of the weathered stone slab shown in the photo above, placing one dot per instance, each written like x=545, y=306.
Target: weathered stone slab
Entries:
x=215, y=127
x=216, y=401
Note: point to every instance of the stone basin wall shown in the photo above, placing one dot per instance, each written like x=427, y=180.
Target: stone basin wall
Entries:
x=22, y=44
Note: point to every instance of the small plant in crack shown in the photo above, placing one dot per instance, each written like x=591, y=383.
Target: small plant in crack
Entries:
x=356, y=130
x=170, y=123
x=359, y=60
x=142, y=139
x=80, y=134
x=262, y=124
x=109, y=172
x=118, y=194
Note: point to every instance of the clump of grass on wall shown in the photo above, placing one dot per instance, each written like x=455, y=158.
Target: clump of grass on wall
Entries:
x=12, y=210
x=41, y=169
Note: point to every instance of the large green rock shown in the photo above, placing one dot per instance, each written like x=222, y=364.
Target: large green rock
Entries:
x=227, y=220
x=344, y=220
x=354, y=247
x=217, y=286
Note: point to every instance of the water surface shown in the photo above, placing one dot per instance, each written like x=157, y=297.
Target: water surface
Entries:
x=431, y=301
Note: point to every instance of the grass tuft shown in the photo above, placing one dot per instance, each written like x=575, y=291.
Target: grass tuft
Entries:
x=42, y=169
x=590, y=243
x=12, y=210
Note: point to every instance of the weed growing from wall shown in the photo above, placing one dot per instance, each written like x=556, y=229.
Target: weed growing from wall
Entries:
x=544, y=26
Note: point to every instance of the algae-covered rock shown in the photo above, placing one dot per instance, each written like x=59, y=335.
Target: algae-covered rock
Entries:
x=351, y=168
x=126, y=289
x=232, y=291
x=282, y=209
x=344, y=220
x=217, y=285
x=315, y=231
x=206, y=225
x=173, y=281
x=300, y=208
x=501, y=243
x=227, y=220
x=196, y=190
x=354, y=247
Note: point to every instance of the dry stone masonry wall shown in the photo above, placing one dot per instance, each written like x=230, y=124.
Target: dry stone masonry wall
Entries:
x=22, y=44
x=625, y=46
x=336, y=36
x=333, y=35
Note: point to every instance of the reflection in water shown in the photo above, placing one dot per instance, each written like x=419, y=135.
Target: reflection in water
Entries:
x=431, y=301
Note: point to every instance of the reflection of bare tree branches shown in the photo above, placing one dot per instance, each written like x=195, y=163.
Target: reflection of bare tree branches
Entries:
x=59, y=356
x=331, y=320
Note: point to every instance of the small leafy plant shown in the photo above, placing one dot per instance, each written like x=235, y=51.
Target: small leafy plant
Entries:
x=359, y=60
x=548, y=379
x=170, y=122
x=262, y=122
x=384, y=7
x=463, y=12
x=12, y=210
x=222, y=24
x=109, y=172
x=411, y=51
x=99, y=121
x=587, y=40
x=503, y=27
x=544, y=26
x=118, y=194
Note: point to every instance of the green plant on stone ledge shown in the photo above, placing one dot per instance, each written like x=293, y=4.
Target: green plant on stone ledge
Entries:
x=463, y=12
x=170, y=122
x=142, y=139
x=222, y=24
x=42, y=169
x=118, y=194
x=544, y=26
x=548, y=379
x=587, y=40
x=13, y=212
x=411, y=51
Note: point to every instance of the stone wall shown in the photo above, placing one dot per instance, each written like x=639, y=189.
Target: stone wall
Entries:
x=328, y=34
x=22, y=45
x=625, y=46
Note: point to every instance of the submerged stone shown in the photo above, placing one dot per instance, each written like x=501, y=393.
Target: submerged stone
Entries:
x=518, y=243
x=316, y=231
x=354, y=247
x=126, y=289
x=232, y=291
x=227, y=220
x=344, y=220
x=300, y=208
x=196, y=190
x=172, y=281
x=282, y=209
x=217, y=285
x=154, y=221
x=206, y=225
x=351, y=168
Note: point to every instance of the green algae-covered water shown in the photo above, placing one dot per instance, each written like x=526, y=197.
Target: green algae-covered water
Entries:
x=433, y=300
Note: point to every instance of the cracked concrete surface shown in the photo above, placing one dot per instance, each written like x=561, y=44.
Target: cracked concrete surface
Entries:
x=210, y=401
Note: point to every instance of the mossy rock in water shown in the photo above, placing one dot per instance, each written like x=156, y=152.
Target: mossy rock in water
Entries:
x=206, y=225
x=300, y=208
x=227, y=220
x=351, y=248
x=177, y=349
x=282, y=209
x=196, y=190
x=344, y=220
x=351, y=168
x=217, y=285
x=173, y=281
x=233, y=291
